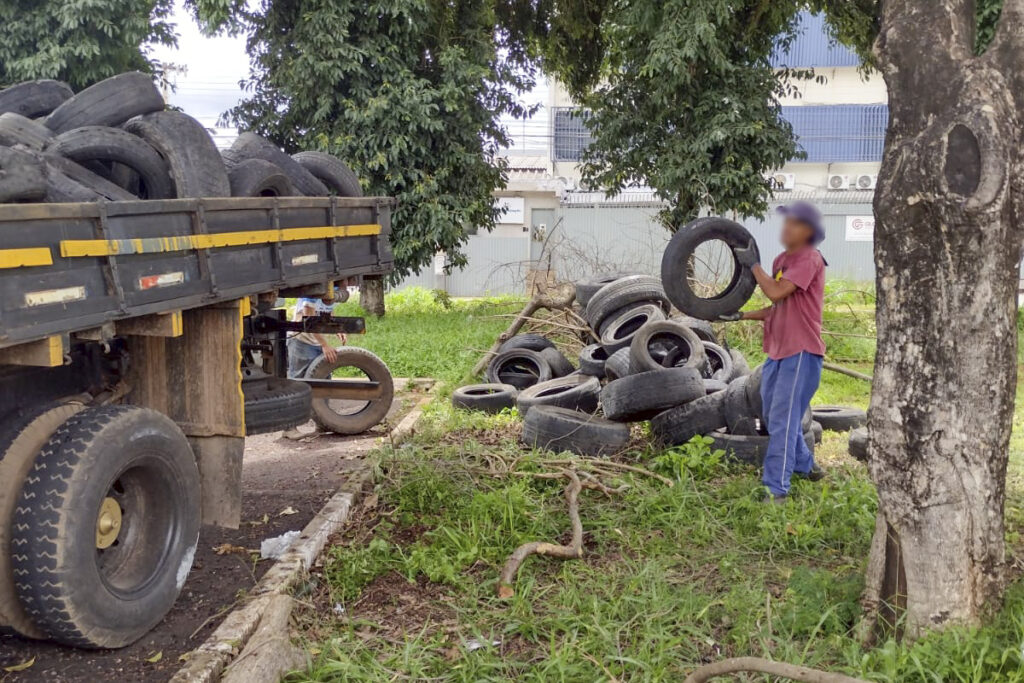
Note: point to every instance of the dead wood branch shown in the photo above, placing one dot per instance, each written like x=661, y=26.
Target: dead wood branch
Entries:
x=847, y=371
x=572, y=551
x=790, y=671
x=599, y=463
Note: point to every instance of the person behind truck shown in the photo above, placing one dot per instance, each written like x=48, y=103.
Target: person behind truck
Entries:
x=305, y=347
x=792, y=342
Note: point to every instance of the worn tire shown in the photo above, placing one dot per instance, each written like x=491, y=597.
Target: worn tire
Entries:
x=487, y=398
x=675, y=265
x=859, y=445
x=110, y=102
x=701, y=328
x=521, y=368
x=713, y=386
x=16, y=129
x=753, y=388
x=24, y=435
x=332, y=172
x=643, y=395
x=33, y=99
x=560, y=365
x=533, y=342
x=617, y=365
x=618, y=332
x=194, y=163
x=23, y=177
x=624, y=292
x=113, y=145
x=749, y=449
x=839, y=418
x=575, y=392
x=78, y=593
x=343, y=416
x=273, y=404
x=739, y=416
x=259, y=178
x=93, y=182
x=252, y=146
x=740, y=367
x=719, y=362
x=560, y=429
x=678, y=425
x=818, y=431
x=586, y=289
x=665, y=344
x=593, y=359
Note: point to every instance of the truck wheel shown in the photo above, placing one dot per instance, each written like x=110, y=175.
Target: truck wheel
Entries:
x=26, y=434
x=106, y=527
x=343, y=416
x=108, y=103
x=273, y=404
x=332, y=172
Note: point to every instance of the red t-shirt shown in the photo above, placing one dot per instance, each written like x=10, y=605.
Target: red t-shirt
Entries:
x=794, y=324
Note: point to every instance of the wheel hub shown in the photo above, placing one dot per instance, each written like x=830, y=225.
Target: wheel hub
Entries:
x=108, y=523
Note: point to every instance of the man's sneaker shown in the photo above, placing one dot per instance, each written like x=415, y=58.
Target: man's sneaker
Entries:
x=816, y=474
x=769, y=497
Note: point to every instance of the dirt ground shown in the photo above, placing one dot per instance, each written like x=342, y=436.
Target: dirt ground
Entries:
x=285, y=483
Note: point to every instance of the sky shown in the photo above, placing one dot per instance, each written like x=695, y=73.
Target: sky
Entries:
x=214, y=66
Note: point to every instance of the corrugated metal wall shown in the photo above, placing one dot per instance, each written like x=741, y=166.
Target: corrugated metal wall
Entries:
x=814, y=47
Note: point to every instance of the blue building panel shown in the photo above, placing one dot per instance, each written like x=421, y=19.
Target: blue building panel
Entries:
x=814, y=47
x=841, y=132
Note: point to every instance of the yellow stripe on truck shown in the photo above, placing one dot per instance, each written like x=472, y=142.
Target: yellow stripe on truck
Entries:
x=16, y=258
x=157, y=245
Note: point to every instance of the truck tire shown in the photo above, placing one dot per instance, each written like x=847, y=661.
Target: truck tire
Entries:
x=622, y=293
x=332, y=172
x=33, y=99
x=678, y=425
x=839, y=418
x=259, y=178
x=576, y=392
x=665, y=344
x=16, y=129
x=92, y=182
x=273, y=404
x=521, y=368
x=719, y=362
x=619, y=331
x=617, y=365
x=252, y=146
x=560, y=429
x=586, y=289
x=713, y=386
x=23, y=178
x=488, y=398
x=25, y=434
x=560, y=365
x=110, y=102
x=641, y=396
x=106, y=526
x=675, y=268
x=113, y=145
x=533, y=342
x=343, y=416
x=194, y=163
x=593, y=359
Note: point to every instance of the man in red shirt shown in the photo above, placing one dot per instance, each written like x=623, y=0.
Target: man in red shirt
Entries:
x=792, y=342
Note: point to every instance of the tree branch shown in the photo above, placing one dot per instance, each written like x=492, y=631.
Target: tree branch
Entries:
x=791, y=671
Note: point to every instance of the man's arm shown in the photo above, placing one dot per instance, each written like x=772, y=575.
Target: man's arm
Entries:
x=775, y=290
x=760, y=314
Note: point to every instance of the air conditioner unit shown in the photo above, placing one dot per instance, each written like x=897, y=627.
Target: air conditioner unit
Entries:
x=866, y=181
x=784, y=182
x=838, y=182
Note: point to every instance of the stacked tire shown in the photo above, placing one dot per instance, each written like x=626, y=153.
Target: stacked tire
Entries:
x=116, y=141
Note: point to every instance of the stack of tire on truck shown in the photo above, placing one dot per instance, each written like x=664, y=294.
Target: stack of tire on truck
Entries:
x=140, y=342
x=654, y=358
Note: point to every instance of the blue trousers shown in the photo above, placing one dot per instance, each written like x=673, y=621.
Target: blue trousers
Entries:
x=787, y=386
x=300, y=356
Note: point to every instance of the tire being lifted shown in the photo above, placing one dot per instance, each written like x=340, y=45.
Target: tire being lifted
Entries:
x=343, y=416
x=106, y=527
x=675, y=268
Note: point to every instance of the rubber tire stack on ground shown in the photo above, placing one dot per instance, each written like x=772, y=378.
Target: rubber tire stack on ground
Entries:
x=577, y=392
x=560, y=429
x=487, y=398
x=839, y=418
x=520, y=367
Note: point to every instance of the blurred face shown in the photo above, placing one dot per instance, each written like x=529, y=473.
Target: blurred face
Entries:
x=795, y=233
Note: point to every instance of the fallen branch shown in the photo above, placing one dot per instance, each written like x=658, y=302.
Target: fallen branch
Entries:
x=572, y=551
x=847, y=371
x=612, y=464
x=790, y=671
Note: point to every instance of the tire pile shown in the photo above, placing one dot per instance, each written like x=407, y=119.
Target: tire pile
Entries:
x=116, y=141
x=646, y=364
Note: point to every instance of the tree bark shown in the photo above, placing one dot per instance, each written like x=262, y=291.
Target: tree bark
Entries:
x=371, y=295
x=947, y=246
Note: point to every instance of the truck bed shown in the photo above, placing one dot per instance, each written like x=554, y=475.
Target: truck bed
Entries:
x=71, y=267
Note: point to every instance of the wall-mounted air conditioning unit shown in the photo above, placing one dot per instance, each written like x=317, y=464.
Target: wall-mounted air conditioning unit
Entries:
x=838, y=182
x=784, y=182
x=866, y=181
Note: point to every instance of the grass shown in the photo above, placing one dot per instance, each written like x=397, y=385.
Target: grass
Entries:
x=671, y=577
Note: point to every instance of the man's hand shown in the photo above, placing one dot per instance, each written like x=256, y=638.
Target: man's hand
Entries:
x=329, y=353
x=730, y=317
x=747, y=256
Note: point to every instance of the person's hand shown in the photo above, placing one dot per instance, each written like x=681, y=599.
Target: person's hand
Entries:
x=747, y=256
x=730, y=317
x=329, y=353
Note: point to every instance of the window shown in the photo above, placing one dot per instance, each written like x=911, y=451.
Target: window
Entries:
x=813, y=46
x=844, y=132
x=570, y=134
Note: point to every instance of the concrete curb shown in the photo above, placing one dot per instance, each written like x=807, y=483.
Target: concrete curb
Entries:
x=207, y=662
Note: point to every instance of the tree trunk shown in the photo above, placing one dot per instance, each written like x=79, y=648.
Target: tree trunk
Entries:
x=947, y=245
x=371, y=295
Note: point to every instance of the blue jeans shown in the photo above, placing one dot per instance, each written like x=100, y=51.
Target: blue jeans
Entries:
x=787, y=386
x=300, y=356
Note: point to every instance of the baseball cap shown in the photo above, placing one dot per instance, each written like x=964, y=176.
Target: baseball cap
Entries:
x=805, y=212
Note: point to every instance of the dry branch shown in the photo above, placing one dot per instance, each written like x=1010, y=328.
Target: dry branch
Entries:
x=790, y=671
x=847, y=371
